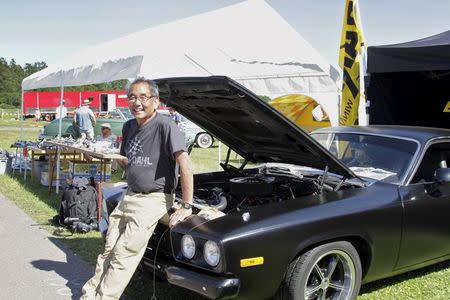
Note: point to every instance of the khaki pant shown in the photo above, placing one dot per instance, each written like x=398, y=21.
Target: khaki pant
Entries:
x=131, y=225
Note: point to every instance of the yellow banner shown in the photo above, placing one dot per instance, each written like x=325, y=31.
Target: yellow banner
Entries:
x=447, y=108
x=349, y=59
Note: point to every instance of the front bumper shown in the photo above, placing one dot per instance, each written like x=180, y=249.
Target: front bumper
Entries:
x=213, y=287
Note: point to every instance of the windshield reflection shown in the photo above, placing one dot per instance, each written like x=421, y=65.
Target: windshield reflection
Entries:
x=377, y=157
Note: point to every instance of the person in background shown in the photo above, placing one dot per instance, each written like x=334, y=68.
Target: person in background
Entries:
x=106, y=134
x=61, y=111
x=37, y=115
x=175, y=116
x=155, y=154
x=85, y=120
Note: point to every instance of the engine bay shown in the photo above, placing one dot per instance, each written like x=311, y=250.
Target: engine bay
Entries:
x=236, y=190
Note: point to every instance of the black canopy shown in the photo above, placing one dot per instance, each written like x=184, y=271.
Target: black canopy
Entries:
x=427, y=54
x=409, y=83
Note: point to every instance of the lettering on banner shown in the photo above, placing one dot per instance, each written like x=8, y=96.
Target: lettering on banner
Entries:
x=447, y=108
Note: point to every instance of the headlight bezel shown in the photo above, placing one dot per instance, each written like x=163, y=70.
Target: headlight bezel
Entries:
x=198, y=261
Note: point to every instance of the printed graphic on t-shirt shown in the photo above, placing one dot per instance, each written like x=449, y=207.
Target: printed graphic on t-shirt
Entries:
x=135, y=154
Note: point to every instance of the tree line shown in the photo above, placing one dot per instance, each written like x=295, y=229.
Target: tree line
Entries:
x=12, y=74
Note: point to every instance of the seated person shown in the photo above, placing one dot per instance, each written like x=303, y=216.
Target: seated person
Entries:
x=106, y=134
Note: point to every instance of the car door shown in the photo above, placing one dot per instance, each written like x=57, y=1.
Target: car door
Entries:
x=426, y=223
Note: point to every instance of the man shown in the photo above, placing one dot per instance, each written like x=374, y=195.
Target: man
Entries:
x=154, y=148
x=85, y=120
x=61, y=111
x=175, y=116
x=106, y=134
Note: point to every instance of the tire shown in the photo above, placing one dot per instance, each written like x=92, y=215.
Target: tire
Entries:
x=204, y=140
x=303, y=280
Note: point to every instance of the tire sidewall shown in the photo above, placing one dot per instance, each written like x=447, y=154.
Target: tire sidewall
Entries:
x=295, y=287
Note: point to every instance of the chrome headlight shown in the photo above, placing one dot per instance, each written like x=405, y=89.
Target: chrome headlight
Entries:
x=188, y=246
x=211, y=253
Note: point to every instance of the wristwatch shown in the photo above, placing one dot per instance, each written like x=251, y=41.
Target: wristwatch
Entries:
x=186, y=205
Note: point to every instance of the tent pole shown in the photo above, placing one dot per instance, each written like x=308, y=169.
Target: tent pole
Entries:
x=59, y=136
x=22, y=119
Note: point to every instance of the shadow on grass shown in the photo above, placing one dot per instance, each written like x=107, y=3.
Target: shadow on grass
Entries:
x=382, y=283
x=141, y=287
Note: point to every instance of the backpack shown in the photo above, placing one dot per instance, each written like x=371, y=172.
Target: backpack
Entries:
x=78, y=208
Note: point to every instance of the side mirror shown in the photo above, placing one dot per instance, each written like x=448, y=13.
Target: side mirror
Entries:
x=442, y=176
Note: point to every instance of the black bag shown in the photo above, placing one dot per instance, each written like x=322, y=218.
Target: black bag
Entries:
x=78, y=208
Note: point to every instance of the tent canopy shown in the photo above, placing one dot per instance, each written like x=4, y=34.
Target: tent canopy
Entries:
x=248, y=42
x=409, y=83
x=427, y=54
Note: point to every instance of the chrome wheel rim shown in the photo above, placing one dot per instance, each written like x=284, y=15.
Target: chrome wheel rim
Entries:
x=204, y=140
x=331, y=277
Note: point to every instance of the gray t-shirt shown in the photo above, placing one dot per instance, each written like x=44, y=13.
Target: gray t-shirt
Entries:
x=150, y=151
x=84, y=118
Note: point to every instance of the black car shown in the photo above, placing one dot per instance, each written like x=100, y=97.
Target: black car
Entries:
x=318, y=217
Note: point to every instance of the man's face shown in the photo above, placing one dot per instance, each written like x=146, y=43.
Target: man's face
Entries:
x=141, y=109
x=106, y=131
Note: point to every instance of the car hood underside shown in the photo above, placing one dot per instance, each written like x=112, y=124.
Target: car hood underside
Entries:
x=252, y=128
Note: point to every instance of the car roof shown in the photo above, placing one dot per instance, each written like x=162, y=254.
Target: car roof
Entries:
x=421, y=134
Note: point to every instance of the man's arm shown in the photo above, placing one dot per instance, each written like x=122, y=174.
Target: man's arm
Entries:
x=187, y=187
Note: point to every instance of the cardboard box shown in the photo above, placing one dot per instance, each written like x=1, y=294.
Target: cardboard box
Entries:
x=88, y=169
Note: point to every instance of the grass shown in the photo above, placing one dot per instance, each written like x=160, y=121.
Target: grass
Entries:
x=10, y=132
x=428, y=283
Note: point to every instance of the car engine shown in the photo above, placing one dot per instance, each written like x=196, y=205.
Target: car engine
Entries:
x=246, y=192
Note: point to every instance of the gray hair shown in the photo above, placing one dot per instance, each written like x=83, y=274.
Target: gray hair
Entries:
x=153, y=87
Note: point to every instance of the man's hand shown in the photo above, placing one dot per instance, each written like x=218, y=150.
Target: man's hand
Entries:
x=187, y=187
x=179, y=215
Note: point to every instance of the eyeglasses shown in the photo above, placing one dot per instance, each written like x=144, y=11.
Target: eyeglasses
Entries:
x=142, y=98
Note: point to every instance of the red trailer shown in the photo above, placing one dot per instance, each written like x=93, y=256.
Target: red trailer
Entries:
x=47, y=102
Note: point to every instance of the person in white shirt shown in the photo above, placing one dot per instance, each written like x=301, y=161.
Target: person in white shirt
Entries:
x=61, y=111
x=106, y=134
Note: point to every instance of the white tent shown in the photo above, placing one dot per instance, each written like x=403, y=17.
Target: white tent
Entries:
x=248, y=42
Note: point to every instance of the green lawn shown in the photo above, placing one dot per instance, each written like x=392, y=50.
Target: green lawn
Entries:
x=429, y=283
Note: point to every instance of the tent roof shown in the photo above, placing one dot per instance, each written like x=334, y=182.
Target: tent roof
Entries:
x=427, y=54
x=241, y=41
x=248, y=42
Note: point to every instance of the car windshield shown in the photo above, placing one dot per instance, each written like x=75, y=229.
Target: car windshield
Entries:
x=382, y=158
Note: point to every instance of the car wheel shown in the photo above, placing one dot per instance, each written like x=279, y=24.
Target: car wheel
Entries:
x=204, y=140
x=329, y=271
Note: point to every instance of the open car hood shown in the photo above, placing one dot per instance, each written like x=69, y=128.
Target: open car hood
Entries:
x=252, y=128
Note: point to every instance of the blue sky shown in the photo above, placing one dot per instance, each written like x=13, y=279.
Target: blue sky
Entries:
x=51, y=29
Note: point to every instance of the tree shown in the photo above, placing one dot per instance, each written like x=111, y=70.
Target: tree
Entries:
x=11, y=76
